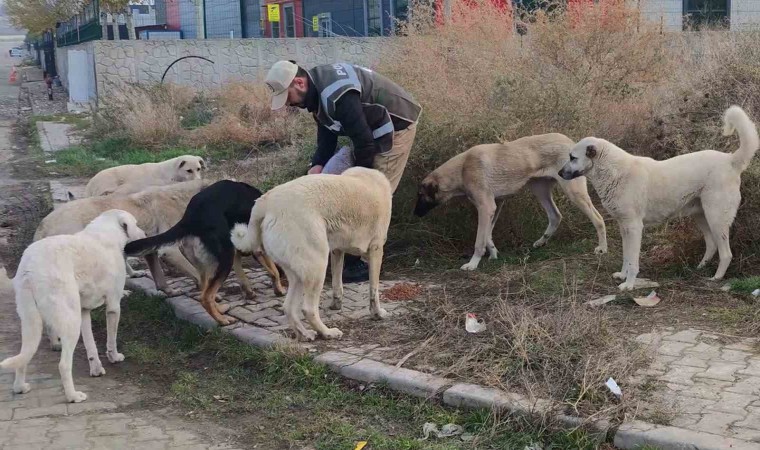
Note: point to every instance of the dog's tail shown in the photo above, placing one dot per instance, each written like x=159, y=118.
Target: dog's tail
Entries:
x=247, y=239
x=31, y=331
x=736, y=120
x=142, y=247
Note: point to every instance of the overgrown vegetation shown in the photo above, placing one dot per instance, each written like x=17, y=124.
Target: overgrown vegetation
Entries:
x=598, y=69
x=286, y=400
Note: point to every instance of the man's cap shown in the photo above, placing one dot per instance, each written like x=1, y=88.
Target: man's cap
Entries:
x=278, y=79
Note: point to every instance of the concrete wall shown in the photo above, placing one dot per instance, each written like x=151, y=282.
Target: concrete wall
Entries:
x=62, y=65
x=118, y=62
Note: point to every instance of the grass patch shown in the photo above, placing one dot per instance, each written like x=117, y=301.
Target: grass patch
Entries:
x=745, y=285
x=287, y=400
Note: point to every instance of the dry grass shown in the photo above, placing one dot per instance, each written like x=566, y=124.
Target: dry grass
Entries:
x=237, y=116
x=543, y=346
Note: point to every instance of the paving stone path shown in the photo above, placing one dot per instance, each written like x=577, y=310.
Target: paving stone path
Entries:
x=709, y=383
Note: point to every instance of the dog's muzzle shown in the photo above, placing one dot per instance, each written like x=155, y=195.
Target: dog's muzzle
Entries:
x=569, y=175
x=423, y=207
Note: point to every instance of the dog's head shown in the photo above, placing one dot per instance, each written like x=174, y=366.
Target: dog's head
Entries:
x=428, y=195
x=582, y=157
x=189, y=168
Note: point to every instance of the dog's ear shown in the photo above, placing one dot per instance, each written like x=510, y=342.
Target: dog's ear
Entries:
x=202, y=163
x=181, y=164
x=124, y=225
x=591, y=151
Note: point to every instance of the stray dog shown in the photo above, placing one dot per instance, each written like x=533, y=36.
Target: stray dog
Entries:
x=486, y=172
x=132, y=178
x=59, y=280
x=298, y=224
x=204, y=238
x=640, y=191
x=156, y=209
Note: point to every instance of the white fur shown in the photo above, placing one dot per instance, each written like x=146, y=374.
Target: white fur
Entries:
x=640, y=191
x=59, y=280
x=303, y=223
x=132, y=178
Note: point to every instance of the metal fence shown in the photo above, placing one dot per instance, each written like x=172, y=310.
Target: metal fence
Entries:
x=83, y=27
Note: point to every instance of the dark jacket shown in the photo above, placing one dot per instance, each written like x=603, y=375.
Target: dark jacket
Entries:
x=349, y=100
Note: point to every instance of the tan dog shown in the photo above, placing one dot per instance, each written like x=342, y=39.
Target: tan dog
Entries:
x=298, y=224
x=132, y=178
x=486, y=172
x=156, y=209
x=640, y=191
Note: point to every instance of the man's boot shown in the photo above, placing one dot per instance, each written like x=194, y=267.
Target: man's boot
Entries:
x=354, y=269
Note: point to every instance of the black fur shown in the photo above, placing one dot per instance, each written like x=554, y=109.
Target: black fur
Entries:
x=210, y=216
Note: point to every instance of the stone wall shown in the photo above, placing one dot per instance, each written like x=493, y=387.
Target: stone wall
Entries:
x=118, y=62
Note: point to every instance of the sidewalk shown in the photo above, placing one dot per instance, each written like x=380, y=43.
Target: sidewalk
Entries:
x=111, y=418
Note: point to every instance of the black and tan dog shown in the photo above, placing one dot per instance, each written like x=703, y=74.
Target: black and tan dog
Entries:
x=204, y=239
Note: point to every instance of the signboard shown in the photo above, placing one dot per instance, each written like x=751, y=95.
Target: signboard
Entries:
x=273, y=12
x=315, y=23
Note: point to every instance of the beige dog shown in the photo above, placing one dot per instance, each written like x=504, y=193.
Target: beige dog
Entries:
x=486, y=172
x=640, y=191
x=298, y=224
x=156, y=209
x=132, y=178
x=59, y=280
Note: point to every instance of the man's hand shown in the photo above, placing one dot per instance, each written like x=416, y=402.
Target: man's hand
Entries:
x=315, y=170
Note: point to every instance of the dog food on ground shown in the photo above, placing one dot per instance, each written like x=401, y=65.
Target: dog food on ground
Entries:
x=402, y=292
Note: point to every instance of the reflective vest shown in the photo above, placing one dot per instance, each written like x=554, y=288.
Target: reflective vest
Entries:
x=380, y=97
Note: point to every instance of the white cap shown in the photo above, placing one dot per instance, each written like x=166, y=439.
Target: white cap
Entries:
x=278, y=79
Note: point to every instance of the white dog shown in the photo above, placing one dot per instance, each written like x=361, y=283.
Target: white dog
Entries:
x=59, y=280
x=132, y=178
x=639, y=191
x=298, y=224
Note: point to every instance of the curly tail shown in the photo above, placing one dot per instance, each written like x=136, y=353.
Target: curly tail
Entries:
x=736, y=120
x=247, y=238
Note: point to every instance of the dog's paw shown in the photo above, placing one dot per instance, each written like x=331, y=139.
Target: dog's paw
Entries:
x=249, y=294
x=380, y=314
x=619, y=276
x=223, y=308
x=78, y=397
x=309, y=335
x=540, y=243
x=23, y=389
x=333, y=333
x=600, y=250
x=493, y=255
x=218, y=298
x=336, y=304
x=626, y=286
x=96, y=368
x=170, y=292
x=470, y=266
x=114, y=357
x=716, y=278
x=227, y=320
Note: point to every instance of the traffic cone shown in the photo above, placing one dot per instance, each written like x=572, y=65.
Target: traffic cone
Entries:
x=12, y=78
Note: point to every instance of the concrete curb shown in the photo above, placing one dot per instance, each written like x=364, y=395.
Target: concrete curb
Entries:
x=630, y=435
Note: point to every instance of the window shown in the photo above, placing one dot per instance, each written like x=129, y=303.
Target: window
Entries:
x=374, y=18
x=275, y=29
x=705, y=13
x=289, y=20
